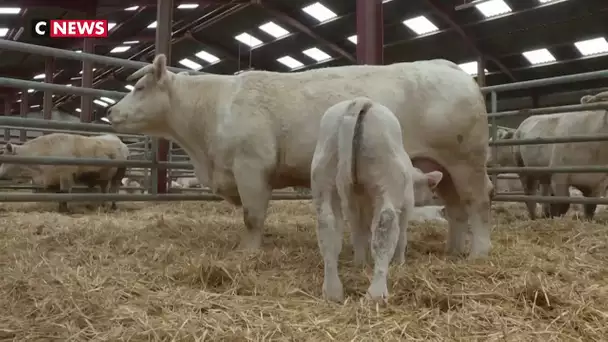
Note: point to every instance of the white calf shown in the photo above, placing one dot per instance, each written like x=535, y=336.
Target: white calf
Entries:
x=361, y=170
x=428, y=213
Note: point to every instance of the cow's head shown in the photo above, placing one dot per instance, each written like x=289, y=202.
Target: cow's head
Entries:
x=147, y=107
x=424, y=186
x=8, y=171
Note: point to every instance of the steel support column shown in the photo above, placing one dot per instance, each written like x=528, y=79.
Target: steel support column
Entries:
x=481, y=74
x=86, y=102
x=24, y=109
x=47, y=102
x=7, y=112
x=164, y=18
x=370, y=32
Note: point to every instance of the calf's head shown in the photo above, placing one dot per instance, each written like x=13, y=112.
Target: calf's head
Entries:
x=146, y=108
x=8, y=171
x=424, y=186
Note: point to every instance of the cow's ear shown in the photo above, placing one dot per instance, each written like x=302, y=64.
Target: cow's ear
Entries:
x=433, y=178
x=10, y=148
x=160, y=66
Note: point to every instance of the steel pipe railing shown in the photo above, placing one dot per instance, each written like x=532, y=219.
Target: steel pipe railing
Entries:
x=88, y=161
x=547, y=169
x=545, y=81
x=552, y=110
x=46, y=197
x=551, y=199
x=58, y=88
x=551, y=140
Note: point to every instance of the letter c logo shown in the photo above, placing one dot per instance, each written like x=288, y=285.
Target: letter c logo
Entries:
x=38, y=29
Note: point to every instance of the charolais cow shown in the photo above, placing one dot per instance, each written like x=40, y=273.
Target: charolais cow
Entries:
x=61, y=178
x=565, y=154
x=361, y=173
x=428, y=213
x=250, y=133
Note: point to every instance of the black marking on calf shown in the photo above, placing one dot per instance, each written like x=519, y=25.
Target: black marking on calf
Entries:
x=459, y=138
x=357, y=137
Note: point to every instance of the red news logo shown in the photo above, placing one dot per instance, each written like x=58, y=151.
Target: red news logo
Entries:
x=75, y=28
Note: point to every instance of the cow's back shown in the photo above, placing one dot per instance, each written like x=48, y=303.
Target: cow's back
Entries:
x=538, y=126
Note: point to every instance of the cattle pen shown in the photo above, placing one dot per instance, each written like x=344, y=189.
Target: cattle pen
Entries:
x=164, y=266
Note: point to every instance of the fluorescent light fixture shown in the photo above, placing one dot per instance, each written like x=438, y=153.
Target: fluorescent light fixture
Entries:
x=353, y=39
x=493, y=8
x=78, y=110
x=19, y=100
x=128, y=42
x=420, y=25
x=132, y=8
x=111, y=26
x=153, y=24
x=75, y=78
x=385, y=1
x=120, y=49
x=206, y=56
x=594, y=46
x=3, y=31
x=540, y=56
x=471, y=68
x=187, y=6
x=93, y=71
x=319, y=12
x=190, y=64
x=316, y=54
x=107, y=99
x=248, y=39
x=10, y=10
x=30, y=91
x=101, y=103
x=104, y=119
x=68, y=85
x=290, y=62
x=39, y=77
x=78, y=51
x=129, y=87
x=35, y=106
x=546, y=1
x=274, y=30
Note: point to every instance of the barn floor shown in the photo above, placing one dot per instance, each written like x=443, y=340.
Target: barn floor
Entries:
x=168, y=272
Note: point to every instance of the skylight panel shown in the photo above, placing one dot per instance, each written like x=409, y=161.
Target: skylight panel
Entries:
x=546, y=1
x=10, y=10
x=30, y=91
x=35, y=106
x=493, y=8
x=190, y=64
x=353, y=39
x=274, y=30
x=39, y=77
x=78, y=110
x=206, y=56
x=120, y=49
x=471, y=68
x=132, y=8
x=107, y=99
x=3, y=31
x=152, y=24
x=385, y=1
x=128, y=42
x=593, y=46
x=316, y=54
x=319, y=12
x=187, y=6
x=421, y=25
x=290, y=62
x=111, y=26
x=104, y=119
x=129, y=87
x=248, y=39
x=100, y=103
x=78, y=51
x=68, y=85
x=540, y=56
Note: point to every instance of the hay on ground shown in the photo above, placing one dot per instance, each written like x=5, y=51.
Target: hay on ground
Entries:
x=153, y=272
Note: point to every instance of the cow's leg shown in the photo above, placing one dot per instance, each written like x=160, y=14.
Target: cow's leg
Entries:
x=254, y=192
x=529, y=183
x=355, y=214
x=385, y=235
x=545, y=190
x=589, y=209
x=560, y=186
x=330, y=240
x=399, y=256
x=65, y=186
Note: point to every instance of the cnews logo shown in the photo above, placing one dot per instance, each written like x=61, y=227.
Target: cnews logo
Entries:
x=56, y=28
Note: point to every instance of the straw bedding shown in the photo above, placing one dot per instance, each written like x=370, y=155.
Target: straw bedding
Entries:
x=168, y=272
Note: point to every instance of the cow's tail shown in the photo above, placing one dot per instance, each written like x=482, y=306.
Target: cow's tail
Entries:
x=350, y=137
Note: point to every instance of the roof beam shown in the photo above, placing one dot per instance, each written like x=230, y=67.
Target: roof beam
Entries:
x=286, y=19
x=449, y=19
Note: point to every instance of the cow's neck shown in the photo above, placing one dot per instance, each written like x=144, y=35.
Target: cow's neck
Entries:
x=193, y=125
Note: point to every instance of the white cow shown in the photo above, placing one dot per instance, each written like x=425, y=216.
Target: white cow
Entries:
x=428, y=213
x=250, y=133
x=360, y=172
x=564, y=154
x=188, y=182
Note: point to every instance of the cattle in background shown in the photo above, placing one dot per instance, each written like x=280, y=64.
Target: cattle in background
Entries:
x=564, y=154
x=360, y=173
x=250, y=133
x=61, y=178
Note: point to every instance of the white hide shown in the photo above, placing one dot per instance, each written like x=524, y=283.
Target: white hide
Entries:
x=360, y=173
x=428, y=213
x=188, y=182
x=250, y=133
